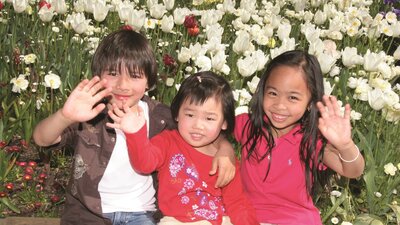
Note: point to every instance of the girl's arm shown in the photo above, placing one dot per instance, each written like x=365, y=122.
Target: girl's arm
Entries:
x=341, y=154
x=144, y=156
x=223, y=162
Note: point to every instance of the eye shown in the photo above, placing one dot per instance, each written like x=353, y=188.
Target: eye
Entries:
x=271, y=93
x=112, y=73
x=210, y=119
x=189, y=114
x=293, y=98
x=136, y=75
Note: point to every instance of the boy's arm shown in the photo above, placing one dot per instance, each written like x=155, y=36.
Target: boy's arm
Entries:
x=223, y=162
x=79, y=107
x=341, y=154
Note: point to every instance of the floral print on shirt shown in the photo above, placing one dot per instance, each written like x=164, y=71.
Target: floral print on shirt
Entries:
x=194, y=191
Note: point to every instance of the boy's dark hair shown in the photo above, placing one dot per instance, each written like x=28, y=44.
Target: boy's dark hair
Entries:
x=125, y=48
x=260, y=128
x=199, y=87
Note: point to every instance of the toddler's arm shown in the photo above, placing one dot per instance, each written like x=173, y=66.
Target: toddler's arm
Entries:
x=79, y=107
x=341, y=154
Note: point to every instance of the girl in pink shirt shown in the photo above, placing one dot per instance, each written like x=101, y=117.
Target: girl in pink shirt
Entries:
x=292, y=133
x=203, y=109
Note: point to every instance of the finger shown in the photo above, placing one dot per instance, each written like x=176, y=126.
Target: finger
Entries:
x=347, y=112
x=90, y=84
x=102, y=94
x=82, y=84
x=214, y=168
x=118, y=112
x=328, y=105
x=112, y=125
x=97, y=87
x=114, y=117
x=322, y=110
x=221, y=180
x=335, y=106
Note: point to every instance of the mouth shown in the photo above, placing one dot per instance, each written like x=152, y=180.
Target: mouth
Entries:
x=121, y=97
x=196, y=136
x=278, y=117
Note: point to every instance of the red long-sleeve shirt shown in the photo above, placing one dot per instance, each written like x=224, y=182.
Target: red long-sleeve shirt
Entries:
x=186, y=190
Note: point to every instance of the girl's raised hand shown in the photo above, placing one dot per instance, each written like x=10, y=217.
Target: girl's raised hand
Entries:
x=126, y=119
x=79, y=105
x=334, y=126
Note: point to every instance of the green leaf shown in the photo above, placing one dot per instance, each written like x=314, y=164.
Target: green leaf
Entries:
x=367, y=219
x=11, y=206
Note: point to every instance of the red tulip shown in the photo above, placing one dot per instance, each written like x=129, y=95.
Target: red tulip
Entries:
x=2, y=194
x=33, y=164
x=55, y=199
x=1, y=5
x=44, y=3
x=9, y=186
x=2, y=143
x=193, y=31
x=190, y=21
x=22, y=164
x=126, y=27
x=29, y=170
x=168, y=60
x=42, y=176
x=27, y=177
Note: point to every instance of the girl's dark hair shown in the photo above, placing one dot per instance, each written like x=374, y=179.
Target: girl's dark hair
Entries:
x=125, y=48
x=259, y=128
x=201, y=86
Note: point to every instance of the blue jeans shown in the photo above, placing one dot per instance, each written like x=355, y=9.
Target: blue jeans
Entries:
x=131, y=218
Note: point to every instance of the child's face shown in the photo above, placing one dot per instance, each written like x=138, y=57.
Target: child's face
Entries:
x=126, y=87
x=200, y=125
x=286, y=98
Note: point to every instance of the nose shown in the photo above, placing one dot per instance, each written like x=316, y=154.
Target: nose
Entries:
x=280, y=103
x=198, y=124
x=122, y=82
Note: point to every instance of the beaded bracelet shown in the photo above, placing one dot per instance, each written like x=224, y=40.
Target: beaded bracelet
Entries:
x=349, y=161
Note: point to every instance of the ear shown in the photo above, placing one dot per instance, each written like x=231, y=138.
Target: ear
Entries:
x=224, y=125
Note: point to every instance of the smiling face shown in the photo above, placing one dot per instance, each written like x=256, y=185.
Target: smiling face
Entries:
x=126, y=86
x=286, y=98
x=201, y=124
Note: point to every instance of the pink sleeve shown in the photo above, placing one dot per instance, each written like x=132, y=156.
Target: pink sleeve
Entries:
x=145, y=156
x=237, y=206
x=240, y=122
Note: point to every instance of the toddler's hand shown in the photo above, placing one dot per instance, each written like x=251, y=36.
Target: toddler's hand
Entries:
x=126, y=119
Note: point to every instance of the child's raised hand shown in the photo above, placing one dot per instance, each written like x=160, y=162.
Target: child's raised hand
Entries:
x=126, y=119
x=335, y=127
x=79, y=105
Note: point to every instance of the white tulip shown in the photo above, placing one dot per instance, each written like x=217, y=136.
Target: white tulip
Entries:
x=78, y=22
x=350, y=58
x=179, y=15
x=247, y=66
x=169, y=4
x=326, y=62
x=203, y=62
x=283, y=31
x=253, y=84
x=319, y=17
x=137, y=19
x=60, y=7
x=376, y=99
x=100, y=10
x=167, y=23
x=20, y=5
x=372, y=60
x=46, y=14
x=157, y=11
x=242, y=42
x=124, y=10
x=218, y=60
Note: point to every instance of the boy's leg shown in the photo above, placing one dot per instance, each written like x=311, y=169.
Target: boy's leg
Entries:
x=131, y=218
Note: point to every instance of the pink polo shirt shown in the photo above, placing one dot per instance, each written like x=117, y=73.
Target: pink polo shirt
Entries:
x=282, y=198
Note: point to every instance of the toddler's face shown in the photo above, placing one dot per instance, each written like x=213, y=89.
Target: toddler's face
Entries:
x=126, y=87
x=200, y=125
